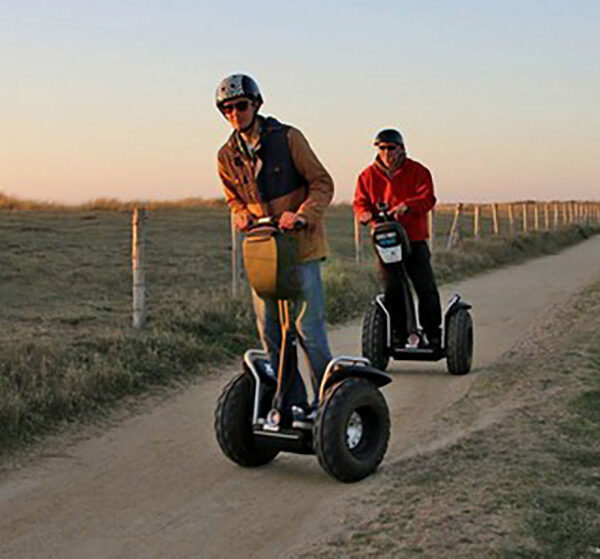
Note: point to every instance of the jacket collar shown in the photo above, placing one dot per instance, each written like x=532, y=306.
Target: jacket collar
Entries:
x=382, y=169
x=266, y=126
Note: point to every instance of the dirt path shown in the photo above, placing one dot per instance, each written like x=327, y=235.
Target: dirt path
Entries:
x=156, y=485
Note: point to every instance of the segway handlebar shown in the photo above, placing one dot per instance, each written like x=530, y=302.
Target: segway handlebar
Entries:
x=382, y=215
x=272, y=221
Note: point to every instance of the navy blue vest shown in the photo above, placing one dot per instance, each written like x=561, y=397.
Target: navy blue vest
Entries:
x=278, y=175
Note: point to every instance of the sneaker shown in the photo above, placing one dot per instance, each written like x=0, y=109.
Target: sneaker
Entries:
x=304, y=413
x=303, y=417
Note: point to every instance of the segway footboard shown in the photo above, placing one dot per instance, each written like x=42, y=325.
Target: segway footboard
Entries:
x=281, y=439
x=417, y=354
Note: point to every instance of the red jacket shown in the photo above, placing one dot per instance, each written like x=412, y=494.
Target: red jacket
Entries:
x=410, y=184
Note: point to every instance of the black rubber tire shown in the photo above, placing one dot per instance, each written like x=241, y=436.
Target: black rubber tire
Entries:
x=329, y=432
x=374, y=333
x=233, y=425
x=459, y=343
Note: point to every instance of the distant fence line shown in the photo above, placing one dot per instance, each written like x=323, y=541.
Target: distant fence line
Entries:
x=531, y=215
x=503, y=219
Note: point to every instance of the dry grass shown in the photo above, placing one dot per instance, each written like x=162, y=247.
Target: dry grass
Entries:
x=14, y=203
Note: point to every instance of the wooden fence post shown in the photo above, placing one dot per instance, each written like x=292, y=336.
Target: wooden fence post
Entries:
x=525, y=218
x=495, y=228
x=565, y=214
x=536, y=217
x=138, y=242
x=546, y=216
x=357, y=240
x=555, y=215
x=476, y=222
x=237, y=268
x=571, y=212
x=431, y=230
x=511, y=220
x=454, y=234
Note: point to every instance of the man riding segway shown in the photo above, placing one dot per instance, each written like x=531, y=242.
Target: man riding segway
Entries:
x=278, y=190
x=406, y=187
x=268, y=169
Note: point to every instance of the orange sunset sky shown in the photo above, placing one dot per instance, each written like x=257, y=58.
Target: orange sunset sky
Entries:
x=116, y=99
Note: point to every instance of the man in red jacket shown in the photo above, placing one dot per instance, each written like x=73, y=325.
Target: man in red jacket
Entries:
x=406, y=186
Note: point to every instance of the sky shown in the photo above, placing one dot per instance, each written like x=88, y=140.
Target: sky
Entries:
x=115, y=99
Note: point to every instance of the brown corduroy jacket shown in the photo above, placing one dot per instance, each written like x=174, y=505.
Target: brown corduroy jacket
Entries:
x=238, y=172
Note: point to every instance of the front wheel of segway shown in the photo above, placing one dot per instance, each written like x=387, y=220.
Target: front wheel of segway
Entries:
x=374, y=334
x=233, y=425
x=351, y=430
x=459, y=343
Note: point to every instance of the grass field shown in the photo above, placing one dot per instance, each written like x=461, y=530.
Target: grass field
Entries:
x=72, y=268
x=65, y=304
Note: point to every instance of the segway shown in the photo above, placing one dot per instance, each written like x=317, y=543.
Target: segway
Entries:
x=254, y=418
x=379, y=340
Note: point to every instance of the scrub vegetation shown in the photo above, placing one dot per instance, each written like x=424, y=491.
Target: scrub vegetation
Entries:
x=67, y=348
x=520, y=474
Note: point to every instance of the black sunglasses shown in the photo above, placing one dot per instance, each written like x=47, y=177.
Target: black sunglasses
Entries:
x=240, y=106
x=387, y=148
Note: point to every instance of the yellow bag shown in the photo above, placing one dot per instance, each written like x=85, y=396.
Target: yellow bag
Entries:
x=271, y=263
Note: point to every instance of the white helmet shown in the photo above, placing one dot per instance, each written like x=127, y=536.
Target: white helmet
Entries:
x=237, y=85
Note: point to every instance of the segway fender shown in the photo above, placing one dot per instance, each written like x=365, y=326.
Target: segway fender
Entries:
x=456, y=304
x=371, y=374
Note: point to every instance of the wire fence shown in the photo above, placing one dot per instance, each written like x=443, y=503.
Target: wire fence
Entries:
x=450, y=223
x=78, y=270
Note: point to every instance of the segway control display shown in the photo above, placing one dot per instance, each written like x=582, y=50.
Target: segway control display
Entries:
x=389, y=246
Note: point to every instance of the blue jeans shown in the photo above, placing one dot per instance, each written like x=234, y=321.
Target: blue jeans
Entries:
x=309, y=314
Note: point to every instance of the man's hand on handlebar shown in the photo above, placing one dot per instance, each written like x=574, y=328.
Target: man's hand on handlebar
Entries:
x=365, y=218
x=399, y=210
x=242, y=221
x=291, y=221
